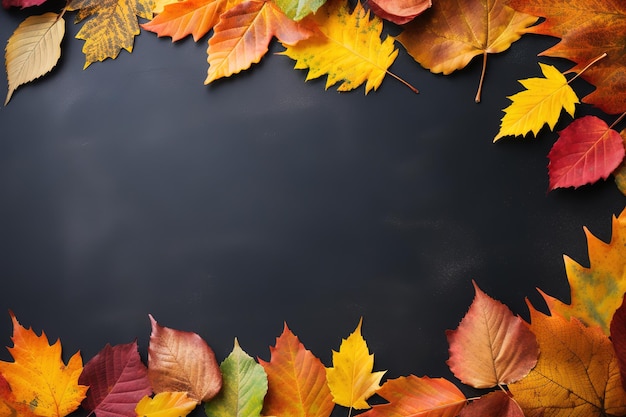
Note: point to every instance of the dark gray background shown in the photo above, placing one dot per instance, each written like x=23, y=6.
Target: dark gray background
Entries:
x=131, y=188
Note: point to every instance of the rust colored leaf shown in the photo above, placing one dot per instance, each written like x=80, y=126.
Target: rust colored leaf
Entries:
x=39, y=378
x=399, y=12
x=180, y=361
x=117, y=380
x=412, y=396
x=491, y=346
x=618, y=338
x=587, y=28
x=496, y=404
x=577, y=373
x=620, y=172
x=9, y=407
x=296, y=381
x=243, y=35
x=189, y=17
x=596, y=291
x=587, y=150
x=452, y=33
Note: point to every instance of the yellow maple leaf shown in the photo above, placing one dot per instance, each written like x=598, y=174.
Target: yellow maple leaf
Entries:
x=597, y=291
x=541, y=103
x=577, y=373
x=112, y=27
x=348, y=48
x=351, y=380
x=166, y=404
x=33, y=49
x=39, y=378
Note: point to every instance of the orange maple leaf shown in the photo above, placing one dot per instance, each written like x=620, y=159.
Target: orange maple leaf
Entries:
x=189, y=17
x=587, y=28
x=38, y=377
x=577, y=373
x=453, y=32
x=243, y=35
x=296, y=381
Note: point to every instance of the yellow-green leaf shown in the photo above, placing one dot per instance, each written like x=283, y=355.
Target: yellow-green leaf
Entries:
x=112, y=27
x=166, y=404
x=351, y=380
x=541, y=103
x=348, y=48
x=33, y=49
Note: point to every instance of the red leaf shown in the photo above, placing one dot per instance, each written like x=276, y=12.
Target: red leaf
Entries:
x=399, y=11
x=586, y=151
x=618, y=337
x=21, y=3
x=496, y=403
x=117, y=380
x=491, y=346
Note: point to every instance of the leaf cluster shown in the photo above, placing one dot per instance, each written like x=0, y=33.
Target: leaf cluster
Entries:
x=570, y=362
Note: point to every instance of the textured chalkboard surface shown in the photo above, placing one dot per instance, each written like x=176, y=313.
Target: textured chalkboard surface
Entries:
x=131, y=188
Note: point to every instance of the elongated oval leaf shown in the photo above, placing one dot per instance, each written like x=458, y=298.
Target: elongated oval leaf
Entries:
x=244, y=387
x=491, y=346
x=586, y=151
x=182, y=361
x=33, y=49
x=117, y=380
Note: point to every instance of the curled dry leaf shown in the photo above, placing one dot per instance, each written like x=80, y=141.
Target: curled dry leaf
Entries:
x=491, y=346
x=33, y=49
x=182, y=361
x=399, y=11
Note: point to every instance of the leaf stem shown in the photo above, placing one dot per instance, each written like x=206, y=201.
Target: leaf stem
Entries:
x=415, y=90
x=619, y=119
x=596, y=59
x=482, y=78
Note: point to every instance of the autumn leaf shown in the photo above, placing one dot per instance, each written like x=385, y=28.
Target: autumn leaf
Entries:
x=497, y=404
x=452, y=33
x=112, y=26
x=159, y=5
x=242, y=37
x=299, y=9
x=412, y=396
x=244, y=387
x=618, y=338
x=117, y=380
x=166, y=404
x=8, y=405
x=491, y=346
x=620, y=171
x=587, y=150
x=188, y=17
x=541, y=103
x=348, y=48
x=587, y=28
x=596, y=291
x=33, y=49
x=296, y=380
x=38, y=377
x=351, y=379
x=577, y=372
x=7, y=4
x=182, y=361
x=399, y=12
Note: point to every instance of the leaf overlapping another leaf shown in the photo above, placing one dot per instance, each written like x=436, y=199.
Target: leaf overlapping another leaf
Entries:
x=348, y=49
x=166, y=404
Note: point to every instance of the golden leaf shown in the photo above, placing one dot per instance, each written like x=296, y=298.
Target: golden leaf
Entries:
x=33, y=49
x=166, y=404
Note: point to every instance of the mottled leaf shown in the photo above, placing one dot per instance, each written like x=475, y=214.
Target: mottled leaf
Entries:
x=9, y=407
x=299, y=9
x=618, y=338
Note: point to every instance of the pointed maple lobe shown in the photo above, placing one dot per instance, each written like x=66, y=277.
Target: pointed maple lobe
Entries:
x=38, y=377
x=491, y=346
x=577, y=373
x=182, y=361
x=243, y=34
x=596, y=291
x=296, y=380
x=117, y=380
x=351, y=378
x=413, y=396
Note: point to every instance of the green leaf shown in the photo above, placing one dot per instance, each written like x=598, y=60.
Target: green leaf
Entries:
x=299, y=9
x=243, y=388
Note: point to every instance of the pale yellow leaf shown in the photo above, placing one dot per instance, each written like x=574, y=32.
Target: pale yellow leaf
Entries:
x=33, y=49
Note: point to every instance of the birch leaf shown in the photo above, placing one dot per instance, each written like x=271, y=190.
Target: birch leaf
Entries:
x=351, y=378
x=541, y=103
x=33, y=49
